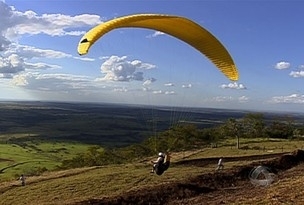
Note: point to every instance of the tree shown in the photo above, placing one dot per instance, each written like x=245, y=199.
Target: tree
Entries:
x=253, y=125
x=212, y=135
x=279, y=129
x=233, y=128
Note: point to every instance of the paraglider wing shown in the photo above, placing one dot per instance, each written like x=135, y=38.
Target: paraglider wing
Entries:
x=179, y=27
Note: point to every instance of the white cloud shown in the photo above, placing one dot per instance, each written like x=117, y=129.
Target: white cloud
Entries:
x=170, y=93
x=223, y=98
x=121, y=89
x=293, y=98
x=146, y=89
x=84, y=58
x=297, y=74
x=220, y=99
x=21, y=80
x=282, y=65
x=16, y=23
x=155, y=34
x=169, y=84
x=14, y=64
x=6, y=75
x=40, y=66
x=53, y=82
x=64, y=87
x=4, y=43
x=187, y=86
x=11, y=64
x=149, y=81
x=233, y=85
x=157, y=92
x=29, y=52
x=118, y=68
x=243, y=99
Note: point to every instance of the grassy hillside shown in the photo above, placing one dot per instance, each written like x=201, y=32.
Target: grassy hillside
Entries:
x=98, y=182
x=70, y=186
x=32, y=158
x=36, y=137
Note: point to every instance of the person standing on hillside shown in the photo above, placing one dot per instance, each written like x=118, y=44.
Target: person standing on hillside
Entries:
x=161, y=164
x=220, y=164
x=22, y=179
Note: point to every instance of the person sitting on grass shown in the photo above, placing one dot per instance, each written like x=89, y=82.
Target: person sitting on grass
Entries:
x=161, y=164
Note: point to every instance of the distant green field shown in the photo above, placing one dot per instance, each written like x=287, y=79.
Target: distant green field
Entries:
x=30, y=157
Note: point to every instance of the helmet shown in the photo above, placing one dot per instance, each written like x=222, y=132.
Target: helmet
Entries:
x=161, y=154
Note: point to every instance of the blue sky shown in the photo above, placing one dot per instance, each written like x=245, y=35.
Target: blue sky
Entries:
x=39, y=60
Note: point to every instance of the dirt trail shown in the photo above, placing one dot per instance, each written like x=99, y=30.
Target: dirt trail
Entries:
x=211, y=188
x=205, y=161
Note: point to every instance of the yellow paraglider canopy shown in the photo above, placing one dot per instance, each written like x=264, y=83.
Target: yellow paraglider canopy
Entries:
x=179, y=27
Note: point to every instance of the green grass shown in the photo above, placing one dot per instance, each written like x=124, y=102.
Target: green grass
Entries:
x=247, y=147
x=28, y=157
x=69, y=186
x=99, y=182
x=64, y=187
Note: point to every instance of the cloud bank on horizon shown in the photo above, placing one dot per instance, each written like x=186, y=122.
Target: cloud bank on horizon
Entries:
x=38, y=61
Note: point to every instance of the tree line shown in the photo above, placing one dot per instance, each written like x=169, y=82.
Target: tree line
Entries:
x=188, y=136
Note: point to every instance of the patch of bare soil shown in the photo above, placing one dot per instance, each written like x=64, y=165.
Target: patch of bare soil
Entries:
x=228, y=187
